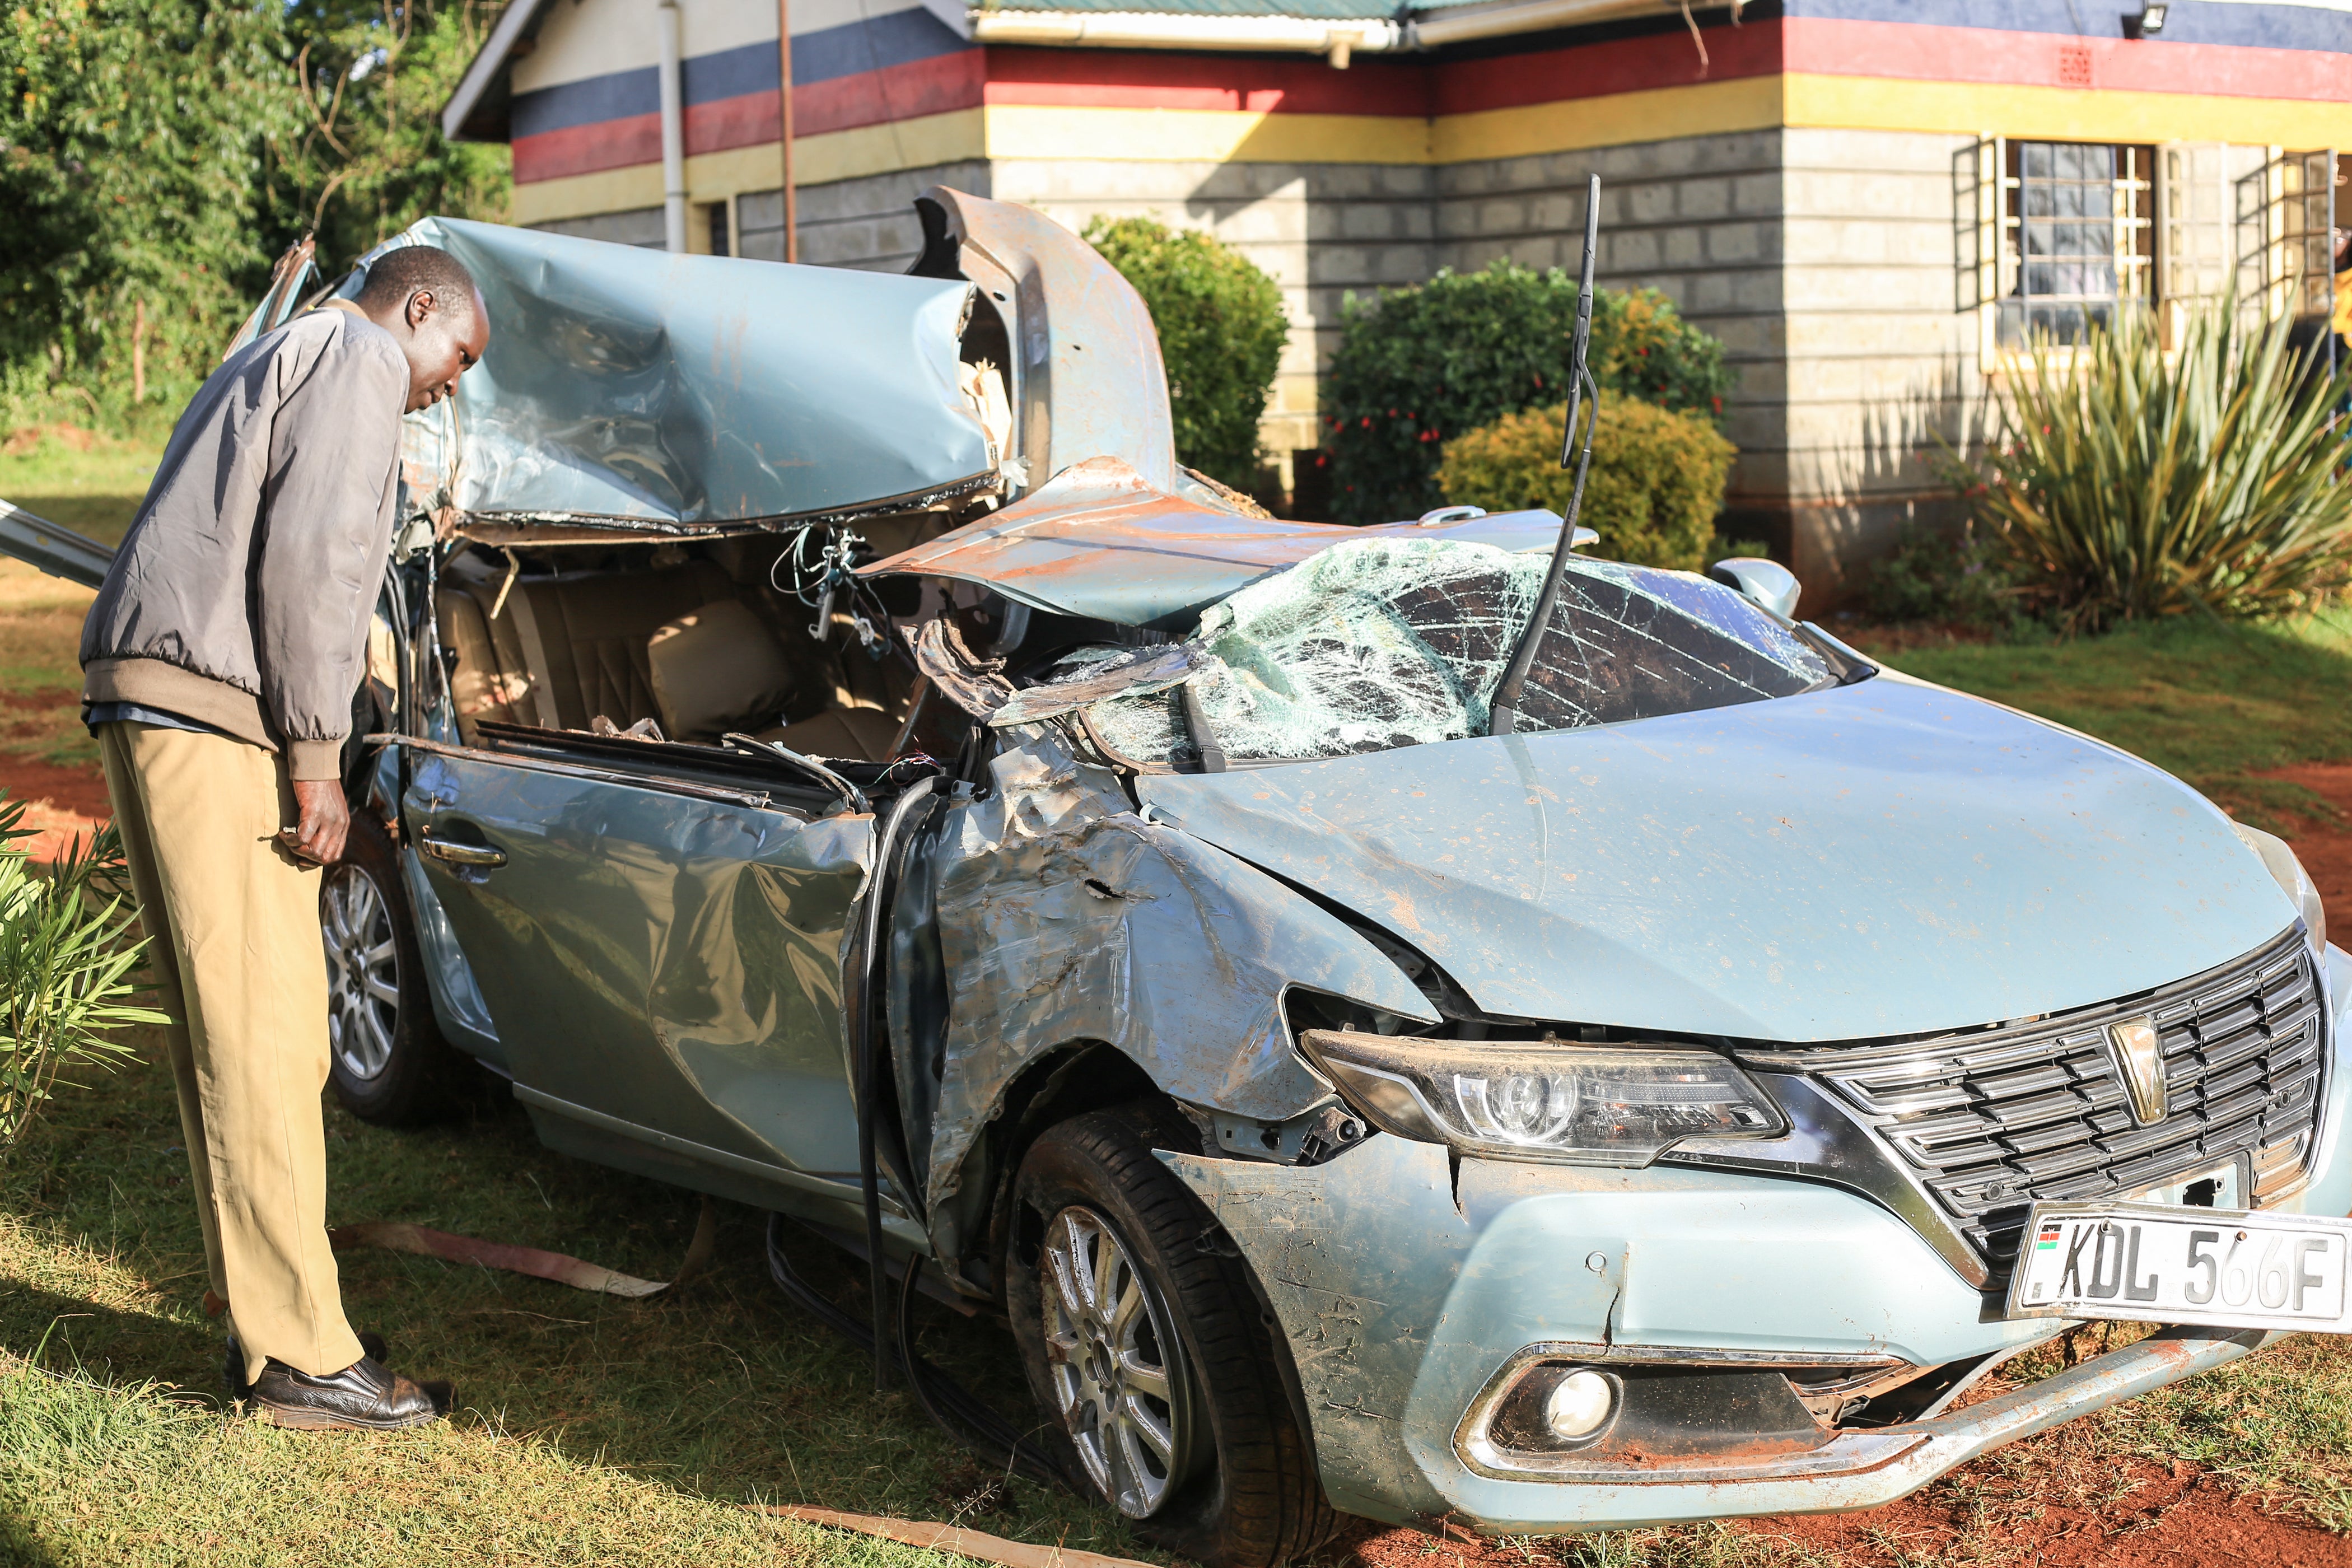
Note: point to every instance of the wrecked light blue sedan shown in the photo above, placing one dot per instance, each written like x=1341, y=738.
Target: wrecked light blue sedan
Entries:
x=823, y=750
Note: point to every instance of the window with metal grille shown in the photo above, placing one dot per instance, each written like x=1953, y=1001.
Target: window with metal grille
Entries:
x=2077, y=238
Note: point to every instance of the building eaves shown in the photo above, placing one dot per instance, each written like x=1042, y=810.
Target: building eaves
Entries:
x=477, y=109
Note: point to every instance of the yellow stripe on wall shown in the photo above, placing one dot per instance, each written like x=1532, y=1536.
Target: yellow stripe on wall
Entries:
x=1613, y=120
x=1202, y=135
x=712, y=176
x=2061, y=114
x=885, y=149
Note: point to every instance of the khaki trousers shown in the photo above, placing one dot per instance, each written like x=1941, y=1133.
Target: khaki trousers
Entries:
x=233, y=922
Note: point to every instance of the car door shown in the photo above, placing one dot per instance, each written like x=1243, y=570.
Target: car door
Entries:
x=655, y=952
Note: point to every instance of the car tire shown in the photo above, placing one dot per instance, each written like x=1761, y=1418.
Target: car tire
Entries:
x=1229, y=1481
x=387, y=1060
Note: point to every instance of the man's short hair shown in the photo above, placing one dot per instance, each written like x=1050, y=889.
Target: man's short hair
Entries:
x=393, y=277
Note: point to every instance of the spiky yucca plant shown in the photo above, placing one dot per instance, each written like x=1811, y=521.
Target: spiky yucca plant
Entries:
x=66, y=959
x=2130, y=483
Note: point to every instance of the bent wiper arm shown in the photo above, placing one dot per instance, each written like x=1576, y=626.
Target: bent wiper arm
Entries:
x=1503, y=713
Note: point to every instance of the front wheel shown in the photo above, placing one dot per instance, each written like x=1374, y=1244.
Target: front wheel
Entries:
x=387, y=1058
x=1151, y=1352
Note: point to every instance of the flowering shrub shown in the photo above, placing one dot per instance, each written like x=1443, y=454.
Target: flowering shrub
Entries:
x=1419, y=366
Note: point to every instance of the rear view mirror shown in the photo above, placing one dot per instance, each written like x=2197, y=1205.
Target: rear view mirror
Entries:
x=1768, y=583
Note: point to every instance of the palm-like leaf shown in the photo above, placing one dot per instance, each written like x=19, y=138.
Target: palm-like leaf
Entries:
x=2133, y=484
x=66, y=956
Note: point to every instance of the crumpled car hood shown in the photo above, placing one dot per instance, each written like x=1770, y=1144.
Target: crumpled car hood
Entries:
x=1888, y=859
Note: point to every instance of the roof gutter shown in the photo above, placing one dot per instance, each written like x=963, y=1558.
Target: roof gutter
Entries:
x=1335, y=40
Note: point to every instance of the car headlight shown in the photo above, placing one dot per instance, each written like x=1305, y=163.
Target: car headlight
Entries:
x=1594, y=1105
x=2293, y=881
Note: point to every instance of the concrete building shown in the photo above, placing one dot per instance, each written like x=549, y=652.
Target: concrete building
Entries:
x=1869, y=201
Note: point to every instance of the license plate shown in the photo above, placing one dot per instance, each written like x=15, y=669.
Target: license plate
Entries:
x=2155, y=1263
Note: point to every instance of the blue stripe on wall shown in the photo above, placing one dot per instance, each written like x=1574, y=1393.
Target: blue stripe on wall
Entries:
x=2186, y=22
x=620, y=96
x=871, y=44
x=730, y=73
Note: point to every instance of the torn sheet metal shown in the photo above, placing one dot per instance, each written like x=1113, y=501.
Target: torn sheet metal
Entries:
x=1759, y=871
x=1100, y=541
x=1126, y=672
x=1087, y=378
x=1064, y=917
x=632, y=389
x=1390, y=641
x=974, y=684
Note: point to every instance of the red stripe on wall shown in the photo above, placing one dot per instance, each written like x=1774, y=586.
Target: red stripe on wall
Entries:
x=933, y=85
x=586, y=149
x=1594, y=70
x=1917, y=52
x=1151, y=78
x=745, y=120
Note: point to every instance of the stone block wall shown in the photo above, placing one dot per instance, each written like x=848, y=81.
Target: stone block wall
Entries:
x=867, y=222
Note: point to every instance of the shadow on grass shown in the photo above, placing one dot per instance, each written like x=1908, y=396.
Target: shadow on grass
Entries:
x=720, y=1389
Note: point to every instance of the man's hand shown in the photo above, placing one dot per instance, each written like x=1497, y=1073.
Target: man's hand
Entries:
x=318, y=837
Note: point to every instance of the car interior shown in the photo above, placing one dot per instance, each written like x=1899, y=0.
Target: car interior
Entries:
x=695, y=637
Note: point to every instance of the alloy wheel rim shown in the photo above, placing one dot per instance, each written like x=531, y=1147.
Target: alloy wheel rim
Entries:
x=363, y=971
x=1117, y=1369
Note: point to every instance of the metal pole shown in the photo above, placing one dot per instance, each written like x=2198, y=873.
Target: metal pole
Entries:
x=784, y=126
x=673, y=131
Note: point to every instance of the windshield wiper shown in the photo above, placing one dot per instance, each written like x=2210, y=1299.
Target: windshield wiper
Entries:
x=1504, y=711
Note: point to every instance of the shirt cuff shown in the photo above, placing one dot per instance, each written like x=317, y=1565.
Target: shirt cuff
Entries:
x=308, y=761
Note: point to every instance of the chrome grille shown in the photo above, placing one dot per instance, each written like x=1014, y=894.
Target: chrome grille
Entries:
x=1997, y=1119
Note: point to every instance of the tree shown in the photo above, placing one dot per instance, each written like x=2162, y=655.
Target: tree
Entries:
x=130, y=145
x=363, y=156
x=156, y=155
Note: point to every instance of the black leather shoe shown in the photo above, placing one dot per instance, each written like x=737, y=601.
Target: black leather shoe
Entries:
x=363, y=1397
x=233, y=1364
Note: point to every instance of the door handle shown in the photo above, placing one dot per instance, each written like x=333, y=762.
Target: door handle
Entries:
x=457, y=854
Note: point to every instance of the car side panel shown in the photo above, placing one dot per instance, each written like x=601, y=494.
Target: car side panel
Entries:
x=671, y=961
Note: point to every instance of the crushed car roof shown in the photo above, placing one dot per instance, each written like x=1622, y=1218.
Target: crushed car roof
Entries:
x=1099, y=542
x=633, y=390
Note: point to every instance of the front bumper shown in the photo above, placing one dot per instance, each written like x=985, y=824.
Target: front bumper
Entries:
x=1403, y=1285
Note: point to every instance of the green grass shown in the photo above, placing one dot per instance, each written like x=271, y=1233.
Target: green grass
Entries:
x=628, y=1430
x=2213, y=704
x=92, y=488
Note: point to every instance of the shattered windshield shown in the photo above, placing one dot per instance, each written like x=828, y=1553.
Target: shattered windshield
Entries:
x=1379, y=643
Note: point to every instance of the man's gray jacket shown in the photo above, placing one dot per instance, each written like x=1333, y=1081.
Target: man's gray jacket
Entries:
x=241, y=595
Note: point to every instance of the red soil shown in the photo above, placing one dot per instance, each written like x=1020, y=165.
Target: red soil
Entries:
x=62, y=803
x=2180, y=1519
x=2324, y=846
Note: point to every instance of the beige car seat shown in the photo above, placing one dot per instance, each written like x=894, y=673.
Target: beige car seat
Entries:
x=564, y=649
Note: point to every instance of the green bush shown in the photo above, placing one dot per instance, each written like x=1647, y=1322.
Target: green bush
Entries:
x=1654, y=487
x=1221, y=329
x=66, y=955
x=2129, y=484
x=1417, y=366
